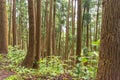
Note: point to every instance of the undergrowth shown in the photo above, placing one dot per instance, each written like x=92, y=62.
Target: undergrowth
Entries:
x=51, y=66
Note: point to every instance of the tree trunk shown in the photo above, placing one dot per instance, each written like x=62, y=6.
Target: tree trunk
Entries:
x=87, y=41
x=79, y=30
x=109, y=58
x=14, y=23
x=3, y=28
x=49, y=31
x=67, y=31
x=53, y=30
x=97, y=21
x=10, y=24
x=29, y=59
x=73, y=26
x=46, y=25
x=38, y=32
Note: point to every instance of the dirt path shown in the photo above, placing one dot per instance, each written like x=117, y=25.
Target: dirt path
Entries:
x=4, y=74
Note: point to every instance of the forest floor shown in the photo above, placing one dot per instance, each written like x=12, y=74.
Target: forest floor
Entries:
x=4, y=73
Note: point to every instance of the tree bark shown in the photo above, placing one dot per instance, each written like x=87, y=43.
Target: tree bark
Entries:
x=109, y=57
x=38, y=32
x=3, y=28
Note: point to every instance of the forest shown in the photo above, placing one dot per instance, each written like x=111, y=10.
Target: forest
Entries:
x=59, y=39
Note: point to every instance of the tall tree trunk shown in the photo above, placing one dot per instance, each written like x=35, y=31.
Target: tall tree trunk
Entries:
x=20, y=25
x=49, y=30
x=3, y=28
x=53, y=30
x=79, y=30
x=46, y=26
x=29, y=59
x=38, y=32
x=97, y=21
x=10, y=24
x=14, y=24
x=87, y=41
x=67, y=31
x=73, y=26
x=109, y=58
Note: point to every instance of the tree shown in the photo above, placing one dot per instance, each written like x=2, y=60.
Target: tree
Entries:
x=53, y=29
x=97, y=22
x=79, y=30
x=10, y=23
x=3, y=28
x=109, y=57
x=67, y=31
x=73, y=25
x=14, y=23
x=38, y=30
x=49, y=31
x=29, y=59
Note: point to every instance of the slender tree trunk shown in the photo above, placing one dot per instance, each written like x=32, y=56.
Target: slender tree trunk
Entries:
x=90, y=38
x=3, y=28
x=73, y=26
x=87, y=41
x=10, y=24
x=59, y=46
x=29, y=59
x=14, y=24
x=20, y=25
x=53, y=30
x=46, y=25
x=109, y=58
x=97, y=21
x=49, y=30
x=67, y=31
x=79, y=30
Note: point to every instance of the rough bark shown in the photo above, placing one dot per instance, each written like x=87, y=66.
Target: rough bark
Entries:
x=3, y=28
x=109, y=57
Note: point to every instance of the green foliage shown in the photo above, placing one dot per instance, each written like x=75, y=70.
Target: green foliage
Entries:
x=87, y=68
x=96, y=43
x=14, y=77
x=50, y=66
x=1, y=57
x=15, y=55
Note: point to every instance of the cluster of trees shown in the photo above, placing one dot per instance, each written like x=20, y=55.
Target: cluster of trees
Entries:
x=63, y=28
